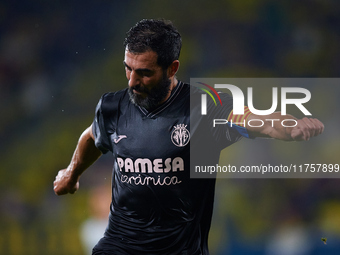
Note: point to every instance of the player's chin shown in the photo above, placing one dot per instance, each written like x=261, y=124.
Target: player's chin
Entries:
x=140, y=99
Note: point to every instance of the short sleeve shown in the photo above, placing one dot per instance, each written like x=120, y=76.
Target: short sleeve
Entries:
x=102, y=140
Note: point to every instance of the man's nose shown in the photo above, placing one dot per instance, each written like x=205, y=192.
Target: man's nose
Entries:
x=134, y=79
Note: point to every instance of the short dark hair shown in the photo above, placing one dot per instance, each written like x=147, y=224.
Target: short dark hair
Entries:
x=159, y=36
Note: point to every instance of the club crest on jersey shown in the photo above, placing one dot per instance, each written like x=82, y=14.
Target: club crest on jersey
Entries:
x=180, y=136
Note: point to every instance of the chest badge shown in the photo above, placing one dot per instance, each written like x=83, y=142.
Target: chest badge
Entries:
x=180, y=136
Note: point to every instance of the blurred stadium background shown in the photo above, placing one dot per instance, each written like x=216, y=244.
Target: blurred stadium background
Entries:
x=58, y=57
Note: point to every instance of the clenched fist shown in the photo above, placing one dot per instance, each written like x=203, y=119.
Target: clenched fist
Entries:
x=306, y=128
x=64, y=183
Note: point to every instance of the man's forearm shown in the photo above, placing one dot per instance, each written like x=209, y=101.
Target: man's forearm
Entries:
x=67, y=180
x=85, y=154
x=278, y=130
x=285, y=127
x=272, y=127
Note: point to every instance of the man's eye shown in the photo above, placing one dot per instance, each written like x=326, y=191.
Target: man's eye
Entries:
x=146, y=74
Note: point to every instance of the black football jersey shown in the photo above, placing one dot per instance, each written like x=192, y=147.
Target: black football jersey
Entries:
x=156, y=207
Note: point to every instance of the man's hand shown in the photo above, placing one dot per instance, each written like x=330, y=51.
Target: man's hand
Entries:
x=64, y=183
x=306, y=128
x=86, y=153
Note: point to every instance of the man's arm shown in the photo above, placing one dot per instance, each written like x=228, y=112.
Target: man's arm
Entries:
x=305, y=129
x=85, y=154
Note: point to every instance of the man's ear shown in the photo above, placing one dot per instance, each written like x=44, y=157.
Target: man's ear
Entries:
x=173, y=68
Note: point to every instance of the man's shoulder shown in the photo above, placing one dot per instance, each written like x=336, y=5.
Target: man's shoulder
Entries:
x=116, y=95
x=110, y=101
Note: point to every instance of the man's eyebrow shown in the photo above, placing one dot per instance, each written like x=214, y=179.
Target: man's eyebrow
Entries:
x=139, y=69
x=126, y=65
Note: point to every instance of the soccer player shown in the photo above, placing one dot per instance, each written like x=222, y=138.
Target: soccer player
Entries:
x=156, y=207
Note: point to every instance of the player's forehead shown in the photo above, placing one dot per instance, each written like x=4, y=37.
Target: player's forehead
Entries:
x=144, y=60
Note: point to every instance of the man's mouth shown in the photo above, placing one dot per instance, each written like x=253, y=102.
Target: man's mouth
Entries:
x=137, y=91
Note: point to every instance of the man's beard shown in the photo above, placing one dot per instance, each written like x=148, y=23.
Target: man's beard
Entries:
x=154, y=96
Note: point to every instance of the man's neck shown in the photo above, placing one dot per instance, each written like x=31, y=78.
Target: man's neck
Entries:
x=173, y=84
